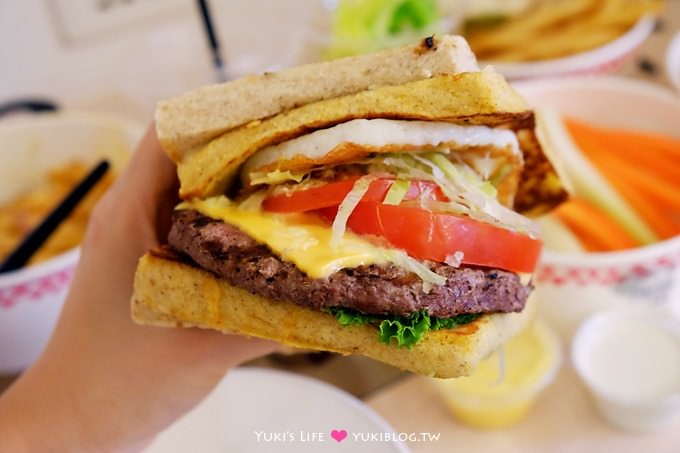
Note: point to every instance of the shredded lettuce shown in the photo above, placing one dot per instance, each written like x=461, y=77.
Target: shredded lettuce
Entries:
x=468, y=193
x=429, y=278
x=345, y=209
x=406, y=331
x=253, y=202
x=397, y=192
x=425, y=197
x=456, y=172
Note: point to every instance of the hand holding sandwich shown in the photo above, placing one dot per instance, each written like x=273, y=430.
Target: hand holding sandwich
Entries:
x=104, y=383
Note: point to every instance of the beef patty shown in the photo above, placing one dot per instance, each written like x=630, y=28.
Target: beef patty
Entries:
x=230, y=254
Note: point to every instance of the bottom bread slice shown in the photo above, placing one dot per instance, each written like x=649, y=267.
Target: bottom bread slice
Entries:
x=173, y=293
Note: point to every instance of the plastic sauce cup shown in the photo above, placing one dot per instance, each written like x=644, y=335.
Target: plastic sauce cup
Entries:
x=503, y=388
x=630, y=362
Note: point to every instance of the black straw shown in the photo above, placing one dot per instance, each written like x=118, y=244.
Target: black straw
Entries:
x=218, y=63
x=30, y=105
x=37, y=238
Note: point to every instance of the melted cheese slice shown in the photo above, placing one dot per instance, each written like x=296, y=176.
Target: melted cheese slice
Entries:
x=298, y=238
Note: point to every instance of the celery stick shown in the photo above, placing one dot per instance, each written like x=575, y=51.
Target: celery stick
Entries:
x=587, y=181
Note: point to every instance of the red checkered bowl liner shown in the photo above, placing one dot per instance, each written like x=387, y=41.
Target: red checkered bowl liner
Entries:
x=32, y=284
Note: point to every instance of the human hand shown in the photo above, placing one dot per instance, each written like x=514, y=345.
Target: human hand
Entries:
x=103, y=382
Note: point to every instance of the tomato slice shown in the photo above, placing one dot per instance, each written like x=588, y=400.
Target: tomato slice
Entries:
x=333, y=193
x=435, y=236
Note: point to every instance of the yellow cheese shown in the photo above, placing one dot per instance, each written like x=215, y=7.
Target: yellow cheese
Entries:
x=298, y=238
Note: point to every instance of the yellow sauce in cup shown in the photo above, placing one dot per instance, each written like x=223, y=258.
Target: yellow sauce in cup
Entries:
x=505, y=386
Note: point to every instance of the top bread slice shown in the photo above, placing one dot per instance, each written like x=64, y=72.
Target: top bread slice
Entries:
x=192, y=119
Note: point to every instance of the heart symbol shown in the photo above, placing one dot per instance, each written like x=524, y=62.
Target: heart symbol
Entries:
x=339, y=435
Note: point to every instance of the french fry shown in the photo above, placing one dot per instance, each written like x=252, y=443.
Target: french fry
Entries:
x=515, y=32
x=556, y=28
x=553, y=45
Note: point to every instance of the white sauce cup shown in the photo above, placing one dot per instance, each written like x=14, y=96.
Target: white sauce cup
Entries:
x=630, y=362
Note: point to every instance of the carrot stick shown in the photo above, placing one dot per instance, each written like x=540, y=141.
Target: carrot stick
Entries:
x=663, y=144
x=596, y=230
x=639, y=161
x=630, y=141
x=659, y=190
x=635, y=148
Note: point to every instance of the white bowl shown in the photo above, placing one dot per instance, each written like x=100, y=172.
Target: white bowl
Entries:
x=31, y=298
x=630, y=363
x=572, y=286
x=607, y=58
x=673, y=61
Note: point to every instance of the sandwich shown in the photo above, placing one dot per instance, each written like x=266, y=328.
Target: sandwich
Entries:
x=378, y=205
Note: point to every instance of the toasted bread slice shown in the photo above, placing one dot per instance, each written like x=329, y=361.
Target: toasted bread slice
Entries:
x=169, y=292
x=192, y=119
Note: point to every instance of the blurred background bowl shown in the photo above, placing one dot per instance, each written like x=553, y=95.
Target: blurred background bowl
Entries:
x=605, y=59
x=571, y=286
x=31, y=298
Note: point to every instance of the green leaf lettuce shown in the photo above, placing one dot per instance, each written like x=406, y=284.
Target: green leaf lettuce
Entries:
x=406, y=331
